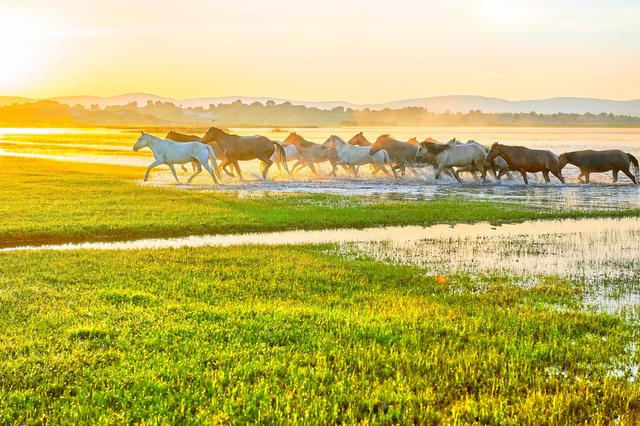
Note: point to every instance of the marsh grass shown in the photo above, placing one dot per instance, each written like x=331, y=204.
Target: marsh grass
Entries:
x=48, y=202
x=282, y=334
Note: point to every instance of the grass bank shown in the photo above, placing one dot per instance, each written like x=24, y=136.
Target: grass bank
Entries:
x=281, y=334
x=47, y=201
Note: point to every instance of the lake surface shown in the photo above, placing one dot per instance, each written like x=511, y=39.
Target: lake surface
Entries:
x=113, y=146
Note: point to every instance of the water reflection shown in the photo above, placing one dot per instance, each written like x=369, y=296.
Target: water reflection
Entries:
x=602, y=254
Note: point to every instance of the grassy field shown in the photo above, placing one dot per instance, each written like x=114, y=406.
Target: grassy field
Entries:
x=46, y=201
x=279, y=334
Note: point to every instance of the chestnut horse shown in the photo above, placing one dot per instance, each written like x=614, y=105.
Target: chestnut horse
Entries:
x=401, y=153
x=525, y=160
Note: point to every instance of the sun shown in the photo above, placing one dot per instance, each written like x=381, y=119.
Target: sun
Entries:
x=23, y=47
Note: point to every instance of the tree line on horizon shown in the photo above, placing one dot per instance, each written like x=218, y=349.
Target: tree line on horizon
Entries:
x=238, y=114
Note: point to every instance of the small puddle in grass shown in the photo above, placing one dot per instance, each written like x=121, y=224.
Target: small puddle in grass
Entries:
x=602, y=253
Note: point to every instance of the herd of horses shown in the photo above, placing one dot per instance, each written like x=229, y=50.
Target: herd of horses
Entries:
x=386, y=155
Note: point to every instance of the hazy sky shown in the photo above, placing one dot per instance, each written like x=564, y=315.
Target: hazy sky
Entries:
x=360, y=51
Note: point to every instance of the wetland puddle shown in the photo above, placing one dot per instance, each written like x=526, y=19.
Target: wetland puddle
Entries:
x=604, y=254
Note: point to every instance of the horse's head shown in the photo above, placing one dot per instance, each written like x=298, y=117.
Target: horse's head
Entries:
x=332, y=143
x=563, y=160
x=213, y=134
x=359, y=140
x=494, y=152
x=292, y=139
x=427, y=151
x=383, y=138
x=141, y=142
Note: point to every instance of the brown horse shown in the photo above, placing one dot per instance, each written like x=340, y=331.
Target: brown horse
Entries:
x=311, y=153
x=402, y=154
x=589, y=161
x=359, y=140
x=183, y=137
x=525, y=160
x=234, y=148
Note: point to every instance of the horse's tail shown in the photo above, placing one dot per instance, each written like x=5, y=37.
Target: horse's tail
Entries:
x=214, y=161
x=282, y=156
x=636, y=168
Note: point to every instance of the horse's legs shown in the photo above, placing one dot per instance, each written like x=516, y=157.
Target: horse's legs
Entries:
x=383, y=168
x=151, y=166
x=224, y=165
x=208, y=168
x=184, y=168
x=586, y=177
x=198, y=170
x=545, y=173
x=312, y=167
x=300, y=163
x=524, y=177
x=456, y=175
x=629, y=175
x=558, y=173
x=237, y=167
x=265, y=169
x=173, y=170
x=334, y=167
x=438, y=172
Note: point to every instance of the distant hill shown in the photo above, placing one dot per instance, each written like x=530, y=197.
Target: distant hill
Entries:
x=435, y=104
x=8, y=100
x=140, y=111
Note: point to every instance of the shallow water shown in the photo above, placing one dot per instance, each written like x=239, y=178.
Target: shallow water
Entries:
x=603, y=254
x=112, y=146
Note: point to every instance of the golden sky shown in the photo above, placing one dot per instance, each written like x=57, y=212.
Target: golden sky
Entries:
x=359, y=51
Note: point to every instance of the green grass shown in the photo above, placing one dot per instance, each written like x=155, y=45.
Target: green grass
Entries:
x=282, y=334
x=45, y=201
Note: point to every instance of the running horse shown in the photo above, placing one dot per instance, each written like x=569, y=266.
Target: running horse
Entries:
x=311, y=153
x=401, y=153
x=590, y=161
x=524, y=160
x=183, y=137
x=170, y=152
x=233, y=148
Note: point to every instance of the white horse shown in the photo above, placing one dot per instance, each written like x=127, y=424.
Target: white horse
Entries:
x=169, y=152
x=454, y=155
x=497, y=163
x=354, y=155
x=290, y=151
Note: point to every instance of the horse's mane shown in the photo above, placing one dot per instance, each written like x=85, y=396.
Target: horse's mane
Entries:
x=384, y=137
x=435, y=148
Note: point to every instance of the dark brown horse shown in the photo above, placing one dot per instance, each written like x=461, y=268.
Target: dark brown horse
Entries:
x=401, y=153
x=525, y=160
x=234, y=148
x=183, y=137
x=589, y=161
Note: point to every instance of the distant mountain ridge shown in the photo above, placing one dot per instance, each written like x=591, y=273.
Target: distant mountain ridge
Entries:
x=439, y=104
